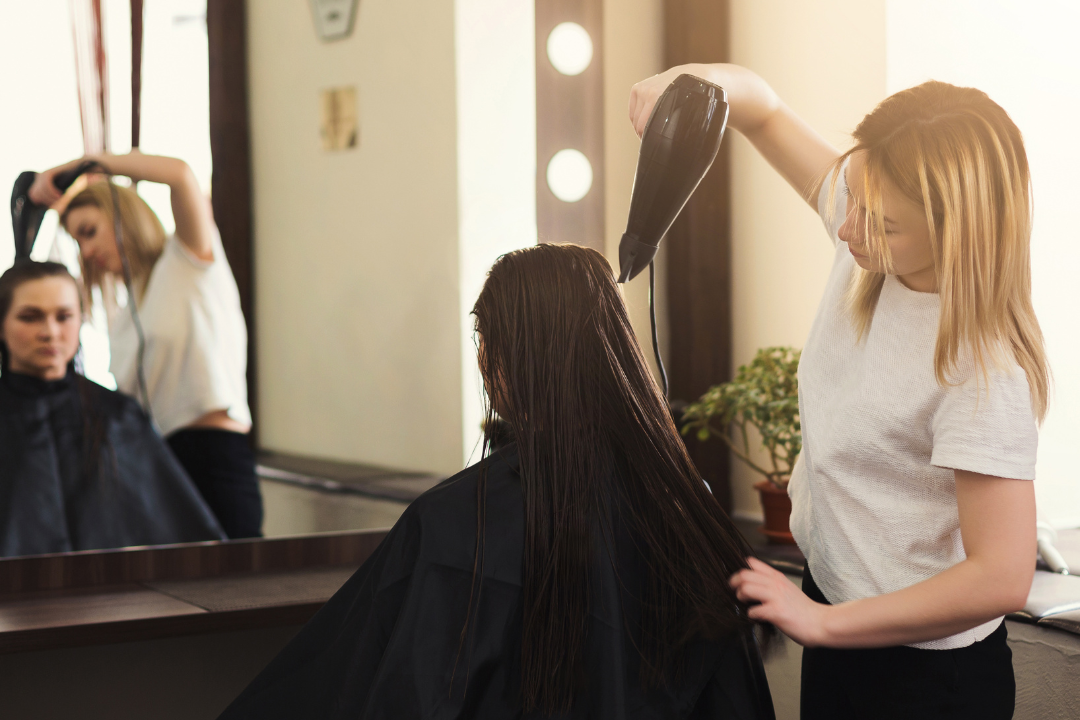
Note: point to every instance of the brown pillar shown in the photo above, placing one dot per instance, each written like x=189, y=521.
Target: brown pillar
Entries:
x=230, y=147
x=699, y=248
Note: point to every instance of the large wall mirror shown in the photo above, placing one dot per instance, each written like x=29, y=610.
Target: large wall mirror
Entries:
x=358, y=210
x=188, y=100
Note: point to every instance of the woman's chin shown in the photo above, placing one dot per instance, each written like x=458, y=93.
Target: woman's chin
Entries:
x=864, y=262
x=54, y=372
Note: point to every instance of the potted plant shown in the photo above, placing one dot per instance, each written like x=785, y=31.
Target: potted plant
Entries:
x=764, y=395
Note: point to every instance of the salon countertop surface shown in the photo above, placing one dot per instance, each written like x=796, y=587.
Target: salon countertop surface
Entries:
x=110, y=596
x=139, y=611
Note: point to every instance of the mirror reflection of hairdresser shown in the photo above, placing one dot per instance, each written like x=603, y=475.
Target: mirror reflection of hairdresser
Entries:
x=195, y=359
x=81, y=468
x=920, y=388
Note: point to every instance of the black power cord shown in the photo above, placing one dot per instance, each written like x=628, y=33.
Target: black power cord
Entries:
x=652, y=319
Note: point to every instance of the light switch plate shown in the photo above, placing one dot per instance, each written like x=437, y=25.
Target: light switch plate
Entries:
x=334, y=18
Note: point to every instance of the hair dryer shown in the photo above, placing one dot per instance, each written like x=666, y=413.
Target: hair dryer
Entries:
x=678, y=147
x=26, y=216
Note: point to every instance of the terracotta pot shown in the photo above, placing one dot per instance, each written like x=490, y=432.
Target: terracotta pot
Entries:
x=777, y=506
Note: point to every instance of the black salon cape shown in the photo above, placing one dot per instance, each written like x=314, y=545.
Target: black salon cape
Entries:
x=48, y=504
x=387, y=644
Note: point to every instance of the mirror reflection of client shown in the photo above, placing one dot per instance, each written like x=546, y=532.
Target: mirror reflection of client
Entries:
x=581, y=571
x=80, y=466
x=195, y=361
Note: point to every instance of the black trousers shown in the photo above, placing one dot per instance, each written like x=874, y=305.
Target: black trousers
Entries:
x=222, y=466
x=906, y=683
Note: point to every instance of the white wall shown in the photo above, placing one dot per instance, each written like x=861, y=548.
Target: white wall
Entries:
x=826, y=59
x=496, y=110
x=45, y=131
x=356, y=252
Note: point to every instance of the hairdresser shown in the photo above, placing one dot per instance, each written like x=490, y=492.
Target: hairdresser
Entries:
x=920, y=388
x=195, y=357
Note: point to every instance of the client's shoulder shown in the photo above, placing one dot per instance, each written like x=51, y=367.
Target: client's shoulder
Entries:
x=499, y=472
x=449, y=512
x=483, y=500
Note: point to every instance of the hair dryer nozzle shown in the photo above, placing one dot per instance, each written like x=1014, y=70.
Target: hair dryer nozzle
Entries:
x=678, y=147
x=634, y=256
x=26, y=217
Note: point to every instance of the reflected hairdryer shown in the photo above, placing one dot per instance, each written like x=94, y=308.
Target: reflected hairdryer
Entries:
x=678, y=147
x=26, y=216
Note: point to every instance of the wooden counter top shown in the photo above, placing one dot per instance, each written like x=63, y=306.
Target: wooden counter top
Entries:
x=103, y=597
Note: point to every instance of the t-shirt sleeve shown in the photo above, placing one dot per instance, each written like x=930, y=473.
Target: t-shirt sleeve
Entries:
x=832, y=215
x=988, y=427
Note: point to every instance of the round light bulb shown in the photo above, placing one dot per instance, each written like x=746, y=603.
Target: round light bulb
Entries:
x=569, y=48
x=569, y=175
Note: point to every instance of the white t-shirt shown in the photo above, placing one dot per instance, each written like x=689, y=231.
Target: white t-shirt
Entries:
x=195, y=359
x=873, y=492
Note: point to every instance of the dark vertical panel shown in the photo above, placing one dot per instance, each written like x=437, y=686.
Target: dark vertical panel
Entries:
x=570, y=114
x=231, y=150
x=699, y=247
x=136, y=70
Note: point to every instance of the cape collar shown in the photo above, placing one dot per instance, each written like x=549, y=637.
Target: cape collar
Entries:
x=30, y=386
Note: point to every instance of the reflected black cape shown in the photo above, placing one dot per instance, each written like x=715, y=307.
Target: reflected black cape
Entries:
x=389, y=643
x=51, y=502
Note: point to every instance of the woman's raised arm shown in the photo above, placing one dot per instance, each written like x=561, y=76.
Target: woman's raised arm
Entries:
x=191, y=211
x=791, y=146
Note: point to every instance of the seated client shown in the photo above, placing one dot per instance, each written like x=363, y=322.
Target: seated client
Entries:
x=80, y=466
x=580, y=571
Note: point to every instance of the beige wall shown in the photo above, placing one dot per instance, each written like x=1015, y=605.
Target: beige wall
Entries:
x=827, y=61
x=356, y=261
x=633, y=50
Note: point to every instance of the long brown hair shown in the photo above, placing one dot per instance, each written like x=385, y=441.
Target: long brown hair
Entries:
x=595, y=436
x=959, y=155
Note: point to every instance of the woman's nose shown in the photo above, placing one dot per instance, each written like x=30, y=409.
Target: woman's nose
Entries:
x=849, y=230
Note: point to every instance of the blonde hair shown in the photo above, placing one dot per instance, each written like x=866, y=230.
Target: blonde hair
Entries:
x=956, y=152
x=143, y=235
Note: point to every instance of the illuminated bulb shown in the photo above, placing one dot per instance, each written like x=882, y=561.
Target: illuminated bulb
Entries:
x=569, y=175
x=569, y=48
